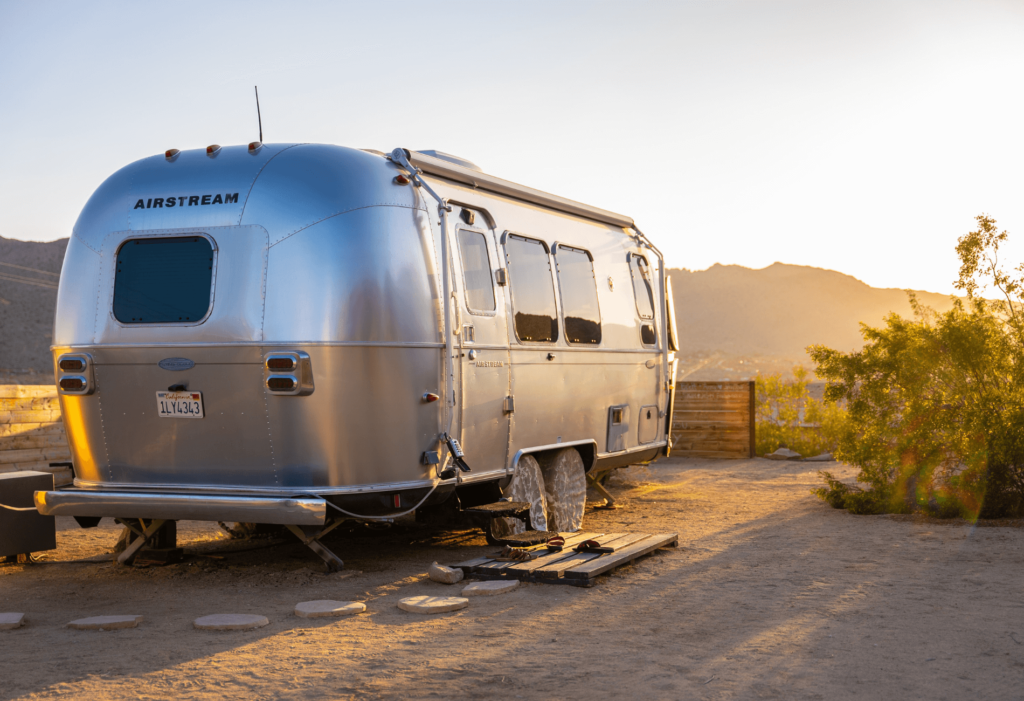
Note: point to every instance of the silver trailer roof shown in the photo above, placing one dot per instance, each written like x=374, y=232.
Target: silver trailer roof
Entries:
x=446, y=168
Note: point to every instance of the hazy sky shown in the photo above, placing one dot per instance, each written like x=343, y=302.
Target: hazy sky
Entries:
x=859, y=136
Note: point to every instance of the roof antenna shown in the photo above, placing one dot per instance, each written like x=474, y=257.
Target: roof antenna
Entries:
x=256, y=87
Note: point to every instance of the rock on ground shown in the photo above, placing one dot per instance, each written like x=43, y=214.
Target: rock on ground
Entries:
x=105, y=622
x=445, y=575
x=783, y=454
x=11, y=620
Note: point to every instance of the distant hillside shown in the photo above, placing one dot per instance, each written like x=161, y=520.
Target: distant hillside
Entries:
x=733, y=321
x=748, y=320
x=28, y=297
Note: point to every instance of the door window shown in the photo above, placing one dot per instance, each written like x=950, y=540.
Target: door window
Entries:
x=476, y=268
x=578, y=287
x=533, y=294
x=643, y=288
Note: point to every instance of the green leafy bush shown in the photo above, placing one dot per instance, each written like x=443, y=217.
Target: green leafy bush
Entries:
x=936, y=403
x=787, y=416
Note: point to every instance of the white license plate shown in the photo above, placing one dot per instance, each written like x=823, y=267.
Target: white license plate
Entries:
x=179, y=405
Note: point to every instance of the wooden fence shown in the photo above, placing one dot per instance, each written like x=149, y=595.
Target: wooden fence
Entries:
x=31, y=432
x=713, y=420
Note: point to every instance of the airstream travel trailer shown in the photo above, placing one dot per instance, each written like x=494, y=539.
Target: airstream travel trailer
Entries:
x=268, y=334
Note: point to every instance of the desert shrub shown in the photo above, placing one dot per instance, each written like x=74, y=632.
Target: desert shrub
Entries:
x=786, y=415
x=936, y=403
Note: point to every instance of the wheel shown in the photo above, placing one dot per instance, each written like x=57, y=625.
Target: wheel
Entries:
x=565, y=489
x=527, y=485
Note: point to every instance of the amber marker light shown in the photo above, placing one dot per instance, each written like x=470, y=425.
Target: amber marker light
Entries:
x=171, y=153
x=430, y=397
x=255, y=146
x=212, y=149
x=401, y=180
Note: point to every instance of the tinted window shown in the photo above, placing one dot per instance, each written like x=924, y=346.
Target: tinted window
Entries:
x=533, y=295
x=163, y=280
x=579, y=295
x=477, y=268
x=643, y=288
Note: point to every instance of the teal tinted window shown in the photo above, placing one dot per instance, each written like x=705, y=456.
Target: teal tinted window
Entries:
x=163, y=280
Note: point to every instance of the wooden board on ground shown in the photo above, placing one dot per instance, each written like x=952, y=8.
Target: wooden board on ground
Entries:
x=567, y=566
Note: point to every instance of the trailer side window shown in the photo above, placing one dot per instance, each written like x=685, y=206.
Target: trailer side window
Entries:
x=643, y=287
x=163, y=280
x=476, y=267
x=578, y=287
x=533, y=294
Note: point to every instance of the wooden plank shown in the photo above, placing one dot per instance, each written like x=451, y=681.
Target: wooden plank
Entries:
x=33, y=440
x=708, y=443
x=42, y=466
x=706, y=386
x=29, y=404
x=589, y=570
x=737, y=405
x=524, y=568
x=716, y=432
x=35, y=455
x=718, y=454
x=710, y=395
x=470, y=564
x=14, y=391
x=35, y=429
x=559, y=567
x=739, y=417
x=28, y=417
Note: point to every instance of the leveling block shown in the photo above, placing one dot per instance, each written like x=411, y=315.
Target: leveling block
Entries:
x=567, y=566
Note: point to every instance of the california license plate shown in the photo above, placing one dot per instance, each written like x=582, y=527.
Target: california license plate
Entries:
x=179, y=405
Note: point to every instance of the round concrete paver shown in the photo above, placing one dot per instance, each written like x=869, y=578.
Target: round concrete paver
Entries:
x=490, y=588
x=105, y=622
x=231, y=621
x=326, y=607
x=11, y=620
x=433, y=604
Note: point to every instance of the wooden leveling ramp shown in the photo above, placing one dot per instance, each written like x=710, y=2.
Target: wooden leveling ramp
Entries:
x=567, y=566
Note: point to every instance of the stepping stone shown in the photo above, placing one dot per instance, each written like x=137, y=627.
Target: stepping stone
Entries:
x=326, y=607
x=105, y=622
x=433, y=604
x=230, y=621
x=11, y=620
x=492, y=588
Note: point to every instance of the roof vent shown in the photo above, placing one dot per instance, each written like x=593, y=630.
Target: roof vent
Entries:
x=452, y=159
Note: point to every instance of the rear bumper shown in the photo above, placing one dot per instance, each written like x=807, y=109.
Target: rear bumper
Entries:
x=300, y=511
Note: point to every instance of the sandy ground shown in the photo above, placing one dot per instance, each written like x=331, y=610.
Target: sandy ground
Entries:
x=771, y=594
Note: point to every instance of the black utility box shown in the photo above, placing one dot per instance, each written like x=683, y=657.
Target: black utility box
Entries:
x=25, y=531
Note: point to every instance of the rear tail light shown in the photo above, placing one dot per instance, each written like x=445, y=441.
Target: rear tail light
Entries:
x=72, y=365
x=288, y=373
x=281, y=383
x=72, y=384
x=280, y=362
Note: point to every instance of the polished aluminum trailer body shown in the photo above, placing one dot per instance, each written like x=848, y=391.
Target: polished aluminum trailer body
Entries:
x=324, y=253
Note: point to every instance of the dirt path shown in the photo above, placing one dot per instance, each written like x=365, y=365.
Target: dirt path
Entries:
x=771, y=594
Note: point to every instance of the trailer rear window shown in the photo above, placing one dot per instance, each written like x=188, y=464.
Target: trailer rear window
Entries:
x=533, y=294
x=163, y=280
x=477, y=268
x=578, y=286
